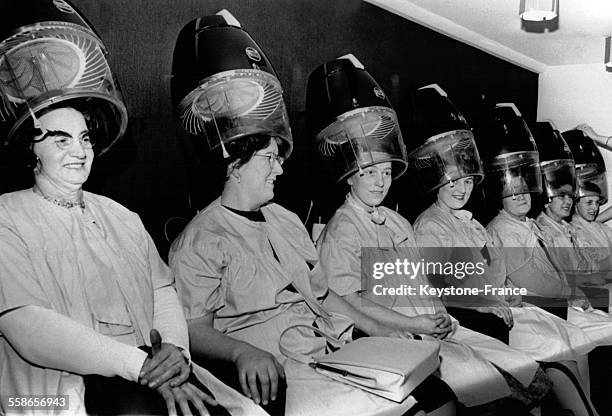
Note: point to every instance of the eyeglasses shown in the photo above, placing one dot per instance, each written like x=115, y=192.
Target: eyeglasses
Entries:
x=66, y=142
x=272, y=158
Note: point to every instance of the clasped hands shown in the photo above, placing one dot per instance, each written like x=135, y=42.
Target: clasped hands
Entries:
x=437, y=325
x=167, y=371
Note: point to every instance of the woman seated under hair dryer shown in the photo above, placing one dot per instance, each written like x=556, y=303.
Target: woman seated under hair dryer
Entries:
x=246, y=268
x=605, y=142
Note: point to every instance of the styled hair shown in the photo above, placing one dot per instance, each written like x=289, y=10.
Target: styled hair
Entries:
x=25, y=141
x=242, y=150
x=562, y=177
x=591, y=187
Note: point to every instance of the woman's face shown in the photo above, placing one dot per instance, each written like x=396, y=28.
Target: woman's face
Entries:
x=64, y=161
x=455, y=194
x=559, y=207
x=372, y=184
x=517, y=205
x=257, y=176
x=588, y=207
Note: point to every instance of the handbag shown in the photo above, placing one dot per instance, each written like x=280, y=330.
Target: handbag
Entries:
x=388, y=367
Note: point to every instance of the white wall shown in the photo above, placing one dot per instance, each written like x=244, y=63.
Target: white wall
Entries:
x=573, y=94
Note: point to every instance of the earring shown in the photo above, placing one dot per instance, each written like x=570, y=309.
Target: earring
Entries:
x=36, y=168
x=238, y=178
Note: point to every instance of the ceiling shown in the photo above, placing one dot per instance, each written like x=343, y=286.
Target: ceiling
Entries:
x=495, y=26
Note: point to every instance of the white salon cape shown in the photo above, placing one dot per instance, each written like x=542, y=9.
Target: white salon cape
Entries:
x=529, y=266
x=541, y=335
x=465, y=368
x=562, y=240
x=97, y=266
x=595, y=240
x=255, y=277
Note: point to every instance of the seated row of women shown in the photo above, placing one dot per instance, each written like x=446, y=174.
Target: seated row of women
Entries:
x=89, y=311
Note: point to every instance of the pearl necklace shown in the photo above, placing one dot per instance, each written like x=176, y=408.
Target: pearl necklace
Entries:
x=60, y=202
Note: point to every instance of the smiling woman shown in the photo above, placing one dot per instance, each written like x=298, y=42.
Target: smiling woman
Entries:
x=455, y=194
x=560, y=206
x=587, y=207
x=92, y=255
x=254, y=173
x=64, y=155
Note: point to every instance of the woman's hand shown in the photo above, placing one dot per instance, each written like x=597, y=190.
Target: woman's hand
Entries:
x=514, y=301
x=587, y=129
x=255, y=365
x=166, y=363
x=580, y=300
x=500, y=310
x=438, y=325
x=183, y=395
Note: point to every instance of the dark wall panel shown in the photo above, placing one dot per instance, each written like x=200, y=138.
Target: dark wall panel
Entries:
x=151, y=173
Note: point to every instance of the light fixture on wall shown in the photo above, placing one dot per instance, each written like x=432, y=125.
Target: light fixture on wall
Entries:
x=539, y=15
x=608, y=54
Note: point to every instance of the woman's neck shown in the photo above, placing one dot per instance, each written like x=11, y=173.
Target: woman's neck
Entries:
x=233, y=197
x=443, y=206
x=360, y=203
x=579, y=215
x=61, y=192
x=553, y=216
x=521, y=218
